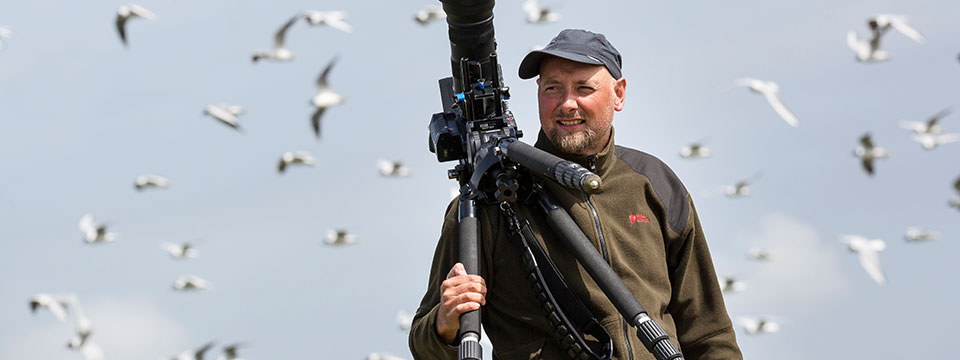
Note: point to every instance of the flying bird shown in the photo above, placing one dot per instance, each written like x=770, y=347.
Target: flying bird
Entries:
x=741, y=188
x=50, y=302
x=769, y=89
x=295, y=157
x=92, y=232
x=340, y=237
x=324, y=98
x=225, y=113
x=393, y=168
x=932, y=141
x=193, y=354
x=759, y=254
x=127, y=12
x=279, y=52
x=5, y=33
x=731, y=285
x=867, y=51
x=695, y=151
x=190, y=283
x=334, y=19
x=429, y=14
x=758, y=325
x=150, y=181
x=404, y=320
x=915, y=234
x=868, y=250
x=230, y=352
x=928, y=127
x=183, y=250
x=537, y=14
x=82, y=327
x=882, y=23
x=868, y=152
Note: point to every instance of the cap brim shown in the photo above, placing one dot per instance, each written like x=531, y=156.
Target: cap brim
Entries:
x=530, y=66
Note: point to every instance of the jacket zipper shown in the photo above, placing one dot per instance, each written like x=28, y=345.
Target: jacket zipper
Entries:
x=592, y=164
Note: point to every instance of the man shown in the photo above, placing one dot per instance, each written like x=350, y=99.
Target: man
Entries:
x=642, y=221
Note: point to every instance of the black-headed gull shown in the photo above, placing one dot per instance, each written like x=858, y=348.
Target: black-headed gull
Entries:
x=340, y=237
x=867, y=51
x=927, y=127
x=730, y=284
x=759, y=254
x=334, y=19
x=695, y=150
x=537, y=14
x=867, y=250
x=92, y=232
x=915, y=234
x=868, y=152
x=324, y=98
x=279, y=52
x=741, y=188
x=393, y=168
x=230, y=352
x=758, y=325
x=125, y=13
x=190, y=283
x=185, y=250
x=299, y=157
x=429, y=14
x=226, y=114
x=932, y=141
x=770, y=90
x=147, y=181
x=50, y=302
x=882, y=23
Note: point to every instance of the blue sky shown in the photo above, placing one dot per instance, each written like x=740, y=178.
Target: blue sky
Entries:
x=81, y=117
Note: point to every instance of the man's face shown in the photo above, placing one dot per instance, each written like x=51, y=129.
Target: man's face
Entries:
x=577, y=102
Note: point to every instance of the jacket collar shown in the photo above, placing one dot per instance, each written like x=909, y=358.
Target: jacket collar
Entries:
x=599, y=164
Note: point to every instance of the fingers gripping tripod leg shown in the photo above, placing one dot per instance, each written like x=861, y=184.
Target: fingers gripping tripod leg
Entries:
x=469, y=332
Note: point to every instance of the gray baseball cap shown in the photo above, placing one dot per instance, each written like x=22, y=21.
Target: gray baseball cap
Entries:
x=575, y=45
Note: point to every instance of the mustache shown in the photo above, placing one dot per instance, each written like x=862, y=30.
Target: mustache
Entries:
x=573, y=115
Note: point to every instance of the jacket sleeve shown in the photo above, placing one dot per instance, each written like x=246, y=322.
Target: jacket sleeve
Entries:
x=424, y=341
x=703, y=327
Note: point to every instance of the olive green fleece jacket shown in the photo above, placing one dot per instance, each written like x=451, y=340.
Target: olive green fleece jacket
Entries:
x=643, y=223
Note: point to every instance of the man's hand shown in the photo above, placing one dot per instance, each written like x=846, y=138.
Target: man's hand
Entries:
x=460, y=293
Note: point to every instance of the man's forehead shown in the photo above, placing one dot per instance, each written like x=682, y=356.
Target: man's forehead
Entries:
x=554, y=68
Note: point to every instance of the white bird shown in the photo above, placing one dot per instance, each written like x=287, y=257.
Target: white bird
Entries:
x=340, y=237
x=334, y=19
x=184, y=250
x=868, y=152
x=932, y=141
x=758, y=325
x=225, y=113
x=279, y=52
x=868, y=250
x=150, y=181
x=125, y=13
x=404, y=320
x=731, y=285
x=882, y=23
x=194, y=354
x=695, y=150
x=915, y=234
x=429, y=14
x=92, y=232
x=191, y=282
x=299, y=157
x=928, y=127
x=537, y=14
x=50, y=302
x=82, y=327
x=867, y=52
x=769, y=89
x=741, y=188
x=393, y=168
x=324, y=98
x=89, y=350
x=5, y=33
x=759, y=254
x=230, y=352
x=383, y=356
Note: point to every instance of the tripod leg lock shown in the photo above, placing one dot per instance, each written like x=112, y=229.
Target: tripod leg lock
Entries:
x=655, y=339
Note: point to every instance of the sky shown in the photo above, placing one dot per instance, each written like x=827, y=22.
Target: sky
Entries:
x=81, y=117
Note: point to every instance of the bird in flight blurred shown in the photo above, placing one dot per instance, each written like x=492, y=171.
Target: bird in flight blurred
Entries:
x=880, y=24
x=770, y=90
x=695, y=150
x=53, y=303
x=150, y=181
x=193, y=354
x=230, y=352
x=915, y=234
x=334, y=19
x=340, y=237
x=429, y=14
x=295, y=158
x=868, y=252
x=226, y=114
x=537, y=14
x=868, y=152
x=758, y=325
x=279, y=52
x=956, y=201
x=759, y=254
x=730, y=284
x=127, y=12
x=741, y=188
x=94, y=233
x=926, y=127
x=190, y=283
x=393, y=168
x=185, y=250
x=324, y=98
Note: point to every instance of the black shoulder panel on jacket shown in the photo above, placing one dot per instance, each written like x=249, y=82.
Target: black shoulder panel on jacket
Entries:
x=666, y=184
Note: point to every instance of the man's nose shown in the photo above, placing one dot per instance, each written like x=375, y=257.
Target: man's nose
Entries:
x=570, y=101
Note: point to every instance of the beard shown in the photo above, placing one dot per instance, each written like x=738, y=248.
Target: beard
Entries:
x=575, y=143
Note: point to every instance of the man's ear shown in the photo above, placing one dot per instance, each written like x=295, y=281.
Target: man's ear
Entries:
x=620, y=92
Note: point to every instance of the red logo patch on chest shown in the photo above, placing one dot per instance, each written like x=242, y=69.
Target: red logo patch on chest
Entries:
x=635, y=218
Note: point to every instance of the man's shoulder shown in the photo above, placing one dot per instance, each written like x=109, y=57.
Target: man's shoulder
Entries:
x=665, y=183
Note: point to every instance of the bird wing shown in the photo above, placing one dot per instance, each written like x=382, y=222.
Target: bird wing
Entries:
x=870, y=262
x=339, y=24
x=87, y=224
x=901, y=25
x=140, y=11
x=916, y=127
x=867, y=165
x=956, y=184
x=282, y=32
x=199, y=353
x=781, y=109
x=947, y=138
x=936, y=117
x=315, y=120
x=322, y=79
x=282, y=165
x=857, y=45
x=121, y=22
x=866, y=141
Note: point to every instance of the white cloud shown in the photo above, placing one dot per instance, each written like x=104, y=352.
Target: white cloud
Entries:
x=126, y=328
